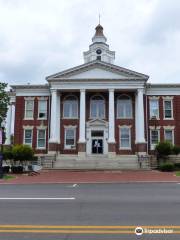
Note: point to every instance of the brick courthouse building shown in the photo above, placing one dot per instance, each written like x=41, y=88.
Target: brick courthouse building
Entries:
x=96, y=113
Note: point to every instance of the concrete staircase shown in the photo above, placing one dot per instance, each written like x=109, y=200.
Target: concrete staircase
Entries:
x=99, y=162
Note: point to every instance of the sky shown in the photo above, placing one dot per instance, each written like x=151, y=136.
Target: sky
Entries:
x=41, y=37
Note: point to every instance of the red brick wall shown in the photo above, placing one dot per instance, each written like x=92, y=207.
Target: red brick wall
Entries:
x=161, y=122
x=20, y=122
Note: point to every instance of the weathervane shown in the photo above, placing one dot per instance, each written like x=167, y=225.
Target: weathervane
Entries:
x=99, y=18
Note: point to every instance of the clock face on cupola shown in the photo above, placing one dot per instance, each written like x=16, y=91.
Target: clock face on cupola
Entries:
x=99, y=49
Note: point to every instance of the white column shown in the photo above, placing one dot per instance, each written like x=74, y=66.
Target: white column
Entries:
x=55, y=117
x=140, y=138
x=111, y=116
x=8, y=125
x=82, y=124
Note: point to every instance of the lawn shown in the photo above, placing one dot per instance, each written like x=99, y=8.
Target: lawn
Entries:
x=8, y=177
x=178, y=174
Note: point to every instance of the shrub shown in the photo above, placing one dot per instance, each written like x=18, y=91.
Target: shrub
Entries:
x=176, y=149
x=7, y=154
x=22, y=153
x=167, y=167
x=6, y=169
x=17, y=169
x=177, y=166
x=164, y=148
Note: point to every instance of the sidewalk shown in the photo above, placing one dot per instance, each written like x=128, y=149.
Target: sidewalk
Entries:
x=61, y=176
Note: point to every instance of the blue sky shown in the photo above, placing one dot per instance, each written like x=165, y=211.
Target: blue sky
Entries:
x=42, y=37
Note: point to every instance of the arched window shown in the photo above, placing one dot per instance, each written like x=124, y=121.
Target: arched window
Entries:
x=70, y=107
x=97, y=108
x=124, y=107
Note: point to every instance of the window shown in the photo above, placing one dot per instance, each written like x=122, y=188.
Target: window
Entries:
x=168, y=109
x=42, y=109
x=124, y=107
x=41, y=138
x=28, y=137
x=29, y=109
x=98, y=58
x=125, y=139
x=154, y=108
x=70, y=107
x=154, y=138
x=70, y=136
x=97, y=109
x=168, y=135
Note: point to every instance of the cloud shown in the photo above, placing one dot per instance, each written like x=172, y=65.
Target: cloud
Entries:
x=39, y=38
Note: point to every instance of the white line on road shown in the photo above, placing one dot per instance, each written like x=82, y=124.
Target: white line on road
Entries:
x=35, y=198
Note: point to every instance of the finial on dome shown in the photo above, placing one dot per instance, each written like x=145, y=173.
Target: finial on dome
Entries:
x=99, y=35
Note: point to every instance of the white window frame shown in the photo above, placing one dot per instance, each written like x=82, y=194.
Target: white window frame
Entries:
x=129, y=129
x=77, y=113
x=70, y=147
x=25, y=117
x=97, y=117
x=171, y=100
x=152, y=146
x=40, y=129
x=42, y=118
x=150, y=115
x=117, y=109
x=169, y=128
x=28, y=129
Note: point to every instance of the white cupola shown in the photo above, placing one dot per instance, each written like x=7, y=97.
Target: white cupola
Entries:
x=99, y=50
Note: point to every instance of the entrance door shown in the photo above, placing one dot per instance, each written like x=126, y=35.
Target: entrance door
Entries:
x=97, y=146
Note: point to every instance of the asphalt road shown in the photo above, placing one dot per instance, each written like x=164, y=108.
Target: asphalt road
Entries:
x=73, y=206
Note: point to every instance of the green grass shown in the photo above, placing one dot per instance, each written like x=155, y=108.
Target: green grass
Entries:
x=178, y=174
x=8, y=177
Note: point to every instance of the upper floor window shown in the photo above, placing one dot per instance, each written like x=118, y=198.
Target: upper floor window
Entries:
x=154, y=108
x=124, y=107
x=168, y=109
x=97, y=108
x=42, y=109
x=29, y=109
x=70, y=107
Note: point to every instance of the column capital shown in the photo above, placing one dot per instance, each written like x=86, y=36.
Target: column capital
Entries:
x=111, y=89
x=83, y=90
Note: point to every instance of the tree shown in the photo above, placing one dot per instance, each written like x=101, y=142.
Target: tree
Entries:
x=4, y=102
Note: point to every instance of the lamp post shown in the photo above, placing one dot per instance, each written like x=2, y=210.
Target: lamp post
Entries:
x=2, y=138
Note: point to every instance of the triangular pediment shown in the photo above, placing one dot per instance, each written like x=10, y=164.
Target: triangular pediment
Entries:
x=97, y=70
x=97, y=122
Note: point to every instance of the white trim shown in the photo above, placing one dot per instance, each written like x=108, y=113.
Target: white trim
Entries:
x=154, y=127
x=70, y=147
x=153, y=97
x=169, y=129
x=28, y=127
x=152, y=146
x=129, y=128
x=39, y=129
x=172, y=114
x=31, y=129
x=167, y=97
x=97, y=95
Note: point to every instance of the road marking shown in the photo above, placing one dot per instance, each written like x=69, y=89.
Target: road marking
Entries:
x=39, y=198
x=68, y=229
